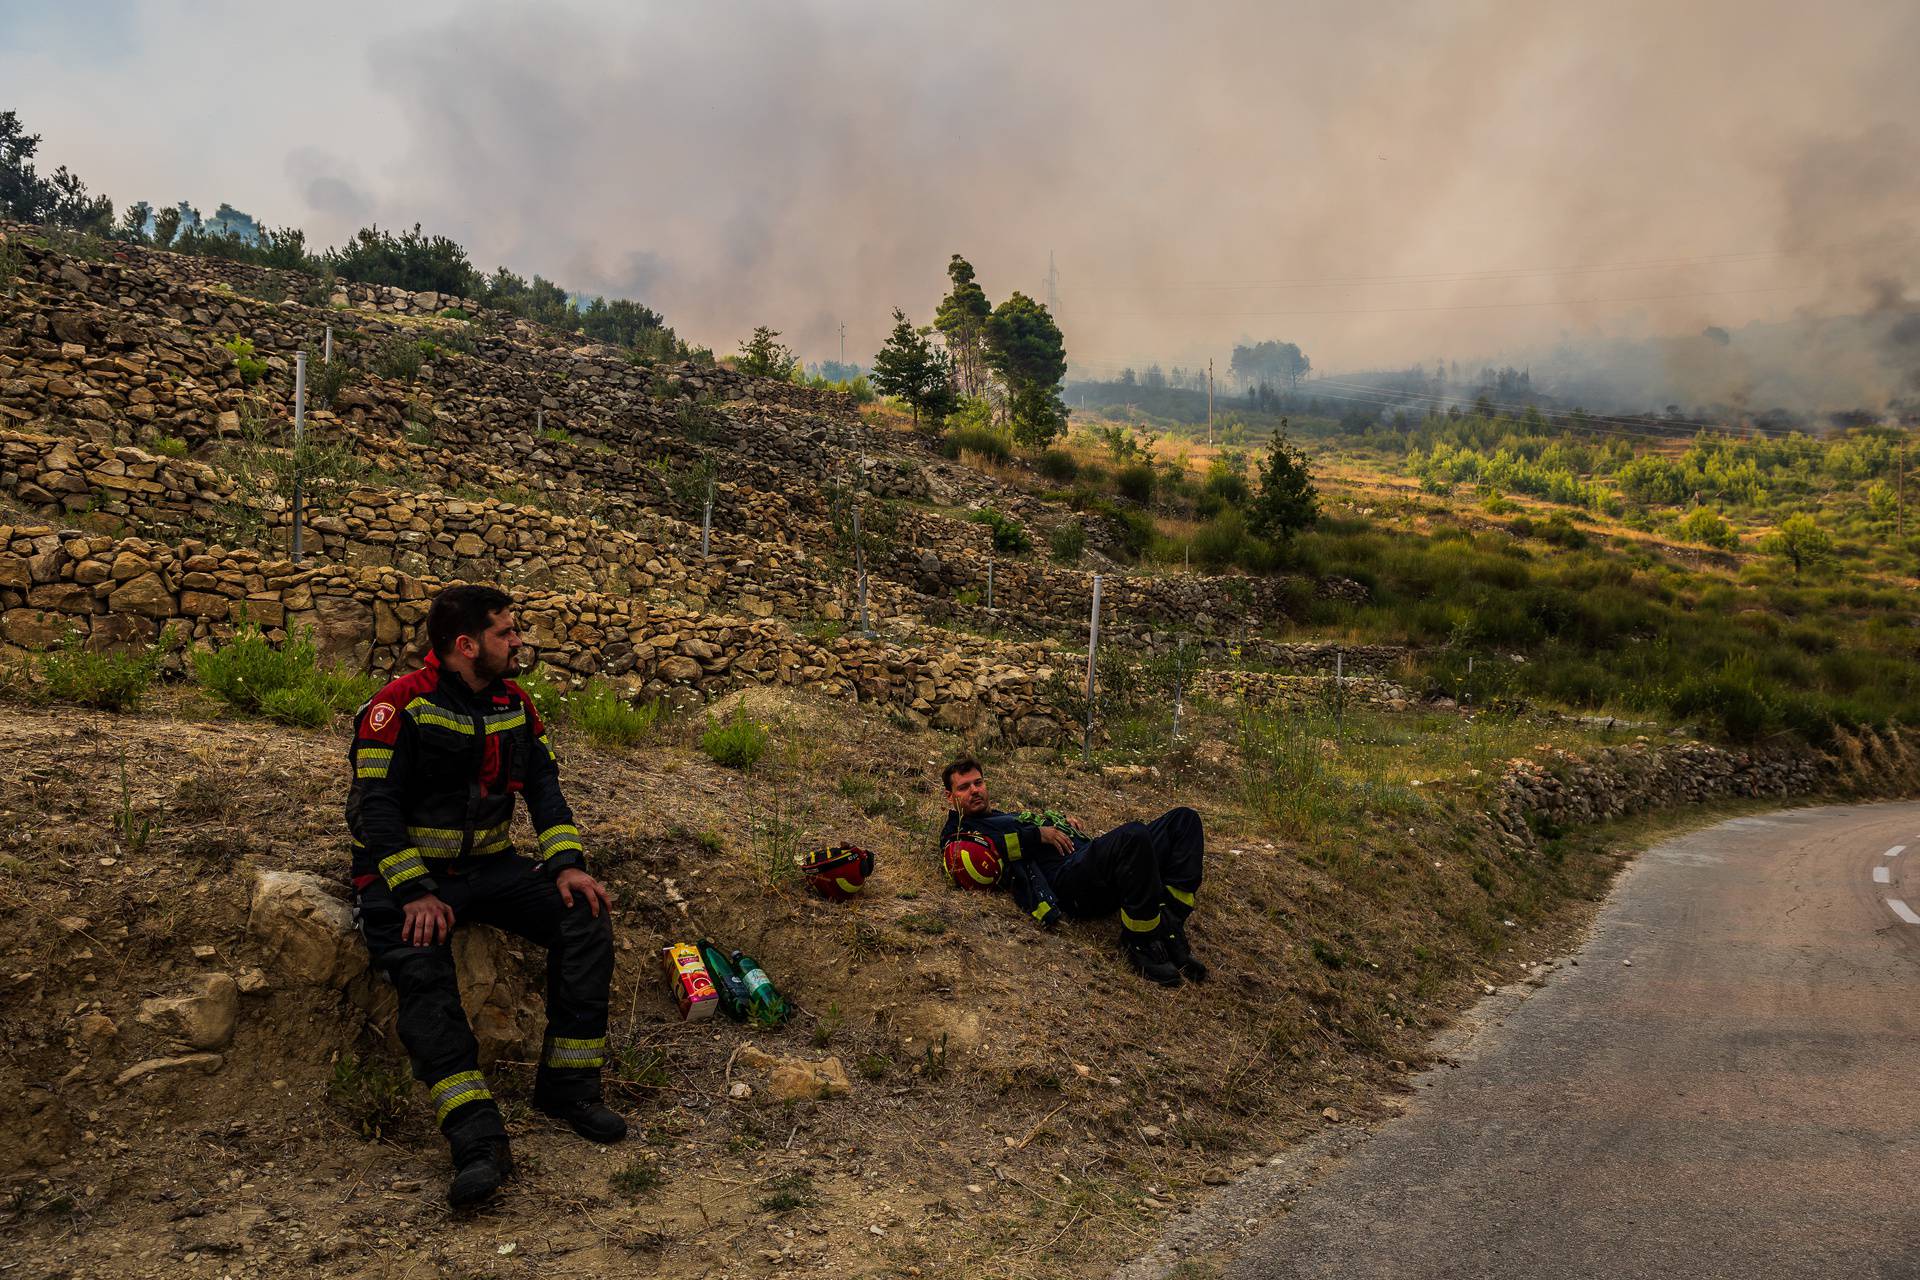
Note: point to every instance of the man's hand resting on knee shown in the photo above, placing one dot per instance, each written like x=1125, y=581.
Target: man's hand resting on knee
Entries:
x=573, y=880
x=426, y=922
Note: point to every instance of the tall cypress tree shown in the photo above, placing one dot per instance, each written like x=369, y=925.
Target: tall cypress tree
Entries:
x=962, y=316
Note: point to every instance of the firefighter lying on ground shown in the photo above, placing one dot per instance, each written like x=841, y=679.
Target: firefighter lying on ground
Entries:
x=1149, y=871
x=438, y=757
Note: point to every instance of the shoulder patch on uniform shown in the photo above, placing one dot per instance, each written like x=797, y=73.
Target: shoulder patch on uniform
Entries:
x=382, y=722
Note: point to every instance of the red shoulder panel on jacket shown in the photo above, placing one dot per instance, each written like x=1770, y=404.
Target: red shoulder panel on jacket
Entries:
x=381, y=722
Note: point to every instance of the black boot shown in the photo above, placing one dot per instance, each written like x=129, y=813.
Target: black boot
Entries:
x=478, y=1170
x=588, y=1117
x=1148, y=956
x=1180, y=953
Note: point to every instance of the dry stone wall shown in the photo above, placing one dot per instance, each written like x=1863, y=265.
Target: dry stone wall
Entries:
x=112, y=592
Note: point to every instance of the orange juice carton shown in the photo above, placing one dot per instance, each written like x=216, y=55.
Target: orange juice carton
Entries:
x=693, y=988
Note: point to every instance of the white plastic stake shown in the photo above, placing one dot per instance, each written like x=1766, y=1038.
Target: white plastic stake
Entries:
x=326, y=354
x=1093, y=646
x=299, y=434
x=860, y=564
x=706, y=520
x=989, y=582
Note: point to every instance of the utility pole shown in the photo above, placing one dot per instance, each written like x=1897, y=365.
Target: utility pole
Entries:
x=843, y=342
x=1053, y=285
x=1210, y=402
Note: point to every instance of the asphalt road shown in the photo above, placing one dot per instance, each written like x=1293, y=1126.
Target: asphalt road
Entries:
x=1728, y=1084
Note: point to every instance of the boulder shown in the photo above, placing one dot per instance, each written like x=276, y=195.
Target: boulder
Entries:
x=202, y=1017
x=306, y=932
x=795, y=1079
x=34, y=629
x=145, y=595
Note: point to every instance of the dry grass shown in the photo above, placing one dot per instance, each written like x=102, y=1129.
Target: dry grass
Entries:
x=1334, y=955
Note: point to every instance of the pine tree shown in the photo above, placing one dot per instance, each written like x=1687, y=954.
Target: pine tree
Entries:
x=763, y=355
x=1287, y=501
x=911, y=367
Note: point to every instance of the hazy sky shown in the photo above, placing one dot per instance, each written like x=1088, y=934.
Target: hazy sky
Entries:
x=1380, y=183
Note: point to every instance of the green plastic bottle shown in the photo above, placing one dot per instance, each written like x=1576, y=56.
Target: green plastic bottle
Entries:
x=765, y=1004
x=726, y=980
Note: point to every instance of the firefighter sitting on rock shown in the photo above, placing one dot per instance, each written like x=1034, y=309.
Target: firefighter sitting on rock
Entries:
x=438, y=757
x=1149, y=871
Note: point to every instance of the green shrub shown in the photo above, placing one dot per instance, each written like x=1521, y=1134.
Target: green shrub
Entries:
x=1729, y=701
x=1067, y=541
x=988, y=442
x=251, y=367
x=1058, y=464
x=287, y=684
x=1009, y=535
x=1218, y=543
x=455, y=313
x=1561, y=532
x=736, y=742
x=108, y=681
x=609, y=717
x=1135, y=481
x=375, y=1097
x=640, y=1176
x=170, y=446
x=400, y=359
x=1703, y=524
x=326, y=379
x=556, y=435
x=1135, y=526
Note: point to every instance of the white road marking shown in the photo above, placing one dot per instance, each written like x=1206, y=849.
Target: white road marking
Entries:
x=1895, y=852
x=1904, y=911
x=1880, y=876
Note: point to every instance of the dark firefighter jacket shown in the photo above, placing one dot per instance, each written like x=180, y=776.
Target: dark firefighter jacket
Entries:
x=435, y=769
x=1027, y=863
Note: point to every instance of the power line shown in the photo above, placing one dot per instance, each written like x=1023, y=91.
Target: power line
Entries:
x=1451, y=306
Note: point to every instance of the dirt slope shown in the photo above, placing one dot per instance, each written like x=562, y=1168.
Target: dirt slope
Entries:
x=1021, y=1105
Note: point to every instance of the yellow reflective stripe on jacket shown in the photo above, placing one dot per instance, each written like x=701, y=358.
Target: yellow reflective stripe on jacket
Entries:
x=456, y=1090
x=372, y=762
x=398, y=868
x=445, y=842
x=501, y=721
x=1013, y=847
x=426, y=712
x=558, y=839
x=562, y=1051
x=1180, y=895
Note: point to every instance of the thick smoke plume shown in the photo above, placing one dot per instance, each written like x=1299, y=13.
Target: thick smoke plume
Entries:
x=1382, y=183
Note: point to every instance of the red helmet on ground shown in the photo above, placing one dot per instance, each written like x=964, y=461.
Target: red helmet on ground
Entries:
x=838, y=873
x=971, y=861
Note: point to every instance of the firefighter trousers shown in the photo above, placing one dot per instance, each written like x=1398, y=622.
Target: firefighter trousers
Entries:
x=1149, y=870
x=511, y=893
